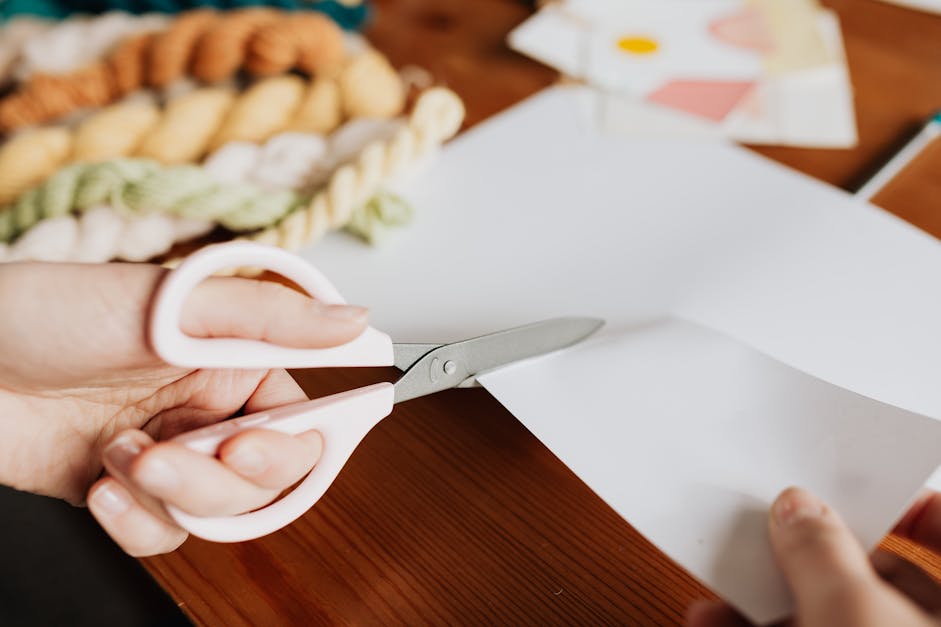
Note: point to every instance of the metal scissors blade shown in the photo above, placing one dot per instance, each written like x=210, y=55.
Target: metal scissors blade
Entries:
x=430, y=368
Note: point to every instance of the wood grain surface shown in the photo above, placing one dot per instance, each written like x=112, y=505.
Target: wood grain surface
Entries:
x=451, y=512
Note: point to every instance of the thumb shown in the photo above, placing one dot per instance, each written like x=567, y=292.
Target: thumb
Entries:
x=264, y=310
x=827, y=570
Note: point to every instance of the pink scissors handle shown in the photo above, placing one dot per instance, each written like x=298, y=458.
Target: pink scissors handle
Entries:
x=343, y=419
x=371, y=348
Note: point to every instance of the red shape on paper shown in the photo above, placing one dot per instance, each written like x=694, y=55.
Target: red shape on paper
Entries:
x=746, y=29
x=712, y=100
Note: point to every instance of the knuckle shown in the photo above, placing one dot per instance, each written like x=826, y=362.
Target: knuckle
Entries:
x=143, y=464
x=269, y=291
x=821, y=535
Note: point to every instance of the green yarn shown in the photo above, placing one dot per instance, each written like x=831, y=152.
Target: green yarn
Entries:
x=144, y=186
x=371, y=222
x=140, y=186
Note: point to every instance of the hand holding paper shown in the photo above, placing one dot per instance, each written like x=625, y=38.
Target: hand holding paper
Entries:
x=833, y=580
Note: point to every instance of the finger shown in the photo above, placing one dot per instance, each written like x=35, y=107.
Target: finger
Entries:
x=827, y=570
x=713, y=614
x=130, y=525
x=276, y=389
x=269, y=459
x=195, y=483
x=118, y=455
x=922, y=522
x=263, y=310
x=908, y=579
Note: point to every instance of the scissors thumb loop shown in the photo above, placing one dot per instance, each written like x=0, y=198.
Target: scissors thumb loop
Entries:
x=371, y=348
x=342, y=419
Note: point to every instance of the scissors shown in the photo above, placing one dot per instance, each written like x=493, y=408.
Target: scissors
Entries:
x=343, y=419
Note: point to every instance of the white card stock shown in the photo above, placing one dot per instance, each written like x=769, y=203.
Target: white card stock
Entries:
x=534, y=215
x=690, y=436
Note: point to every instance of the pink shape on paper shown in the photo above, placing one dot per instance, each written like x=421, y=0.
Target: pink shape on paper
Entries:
x=712, y=100
x=745, y=29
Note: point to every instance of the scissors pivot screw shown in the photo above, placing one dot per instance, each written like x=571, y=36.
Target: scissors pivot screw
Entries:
x=450, y=367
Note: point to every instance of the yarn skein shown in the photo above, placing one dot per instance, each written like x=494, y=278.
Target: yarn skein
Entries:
x=143, y=186
x=436, y=117
x=69, y=45
x=288, y=161
x=103, y=234
x=307, y=41
x=13, y=38
x=351, y=198
x=193, y=124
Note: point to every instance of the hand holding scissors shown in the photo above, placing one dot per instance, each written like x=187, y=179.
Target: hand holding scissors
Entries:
x=343, y=419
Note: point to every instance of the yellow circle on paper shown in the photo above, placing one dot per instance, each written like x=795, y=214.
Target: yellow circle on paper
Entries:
x=638, y=45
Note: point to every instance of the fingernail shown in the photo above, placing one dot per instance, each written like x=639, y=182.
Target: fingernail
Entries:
x=345, y=312
x=159, y=476
x=121, y=452
x=111, y=499
x=796, y=505
x=247, y=460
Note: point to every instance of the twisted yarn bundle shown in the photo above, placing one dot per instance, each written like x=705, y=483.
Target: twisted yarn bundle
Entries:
x=25, y=160
x=102, y=234
x=129, y=190
x=229, y=189
x=181, y=202
x=436, y=117
x=289, y=160
x=140, y=186
x=210, y=45
x=190, y=126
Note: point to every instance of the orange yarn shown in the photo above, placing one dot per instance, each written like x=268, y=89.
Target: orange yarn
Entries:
x=52, y=96
x=170, y=51
x=307, y=41
x=224, y=45
x=211, y=45
x=126, y=63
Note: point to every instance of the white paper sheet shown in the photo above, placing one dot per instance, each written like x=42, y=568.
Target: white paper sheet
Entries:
x=690, y=436
x=532, y=215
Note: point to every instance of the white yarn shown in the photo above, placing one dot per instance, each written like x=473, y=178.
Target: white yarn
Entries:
x=13, y=36
x=350, y=139
x=292, y=161
x=437, y=116
x=100, y=230
x=233, y=162
x=102, y=234
x=78, y=41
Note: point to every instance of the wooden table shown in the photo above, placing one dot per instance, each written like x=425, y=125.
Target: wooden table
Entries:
x=451, y=511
